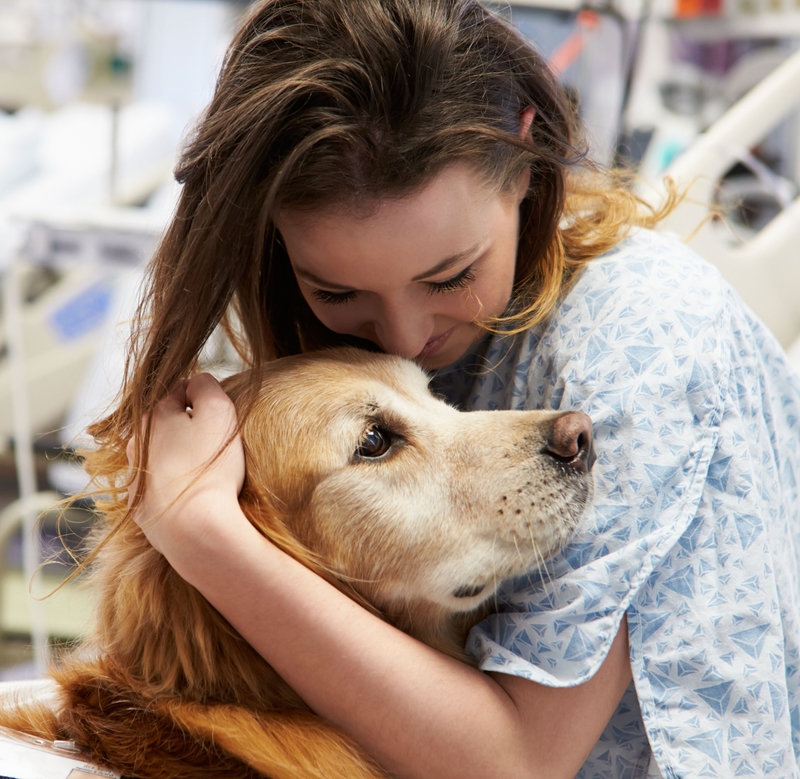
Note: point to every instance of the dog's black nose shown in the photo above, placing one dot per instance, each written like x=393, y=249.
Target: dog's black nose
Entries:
x=570, y=441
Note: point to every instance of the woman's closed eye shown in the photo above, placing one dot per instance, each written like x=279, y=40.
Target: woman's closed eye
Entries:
x=461, y=280
x=332, y=298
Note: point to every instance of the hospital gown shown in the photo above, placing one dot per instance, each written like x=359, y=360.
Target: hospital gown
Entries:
x=695, y=524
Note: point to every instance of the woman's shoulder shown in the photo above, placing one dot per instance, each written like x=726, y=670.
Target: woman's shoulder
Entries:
x=647, y=270
x=651, y=311
x=644, y=249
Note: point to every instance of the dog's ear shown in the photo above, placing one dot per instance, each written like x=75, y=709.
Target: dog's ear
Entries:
x=266, y=513
x=244, y=388
x=263, y=508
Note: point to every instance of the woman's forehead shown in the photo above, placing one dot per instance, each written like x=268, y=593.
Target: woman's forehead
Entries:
x=450, y=219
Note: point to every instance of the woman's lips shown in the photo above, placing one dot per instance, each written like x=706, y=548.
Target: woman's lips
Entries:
x=436, y=343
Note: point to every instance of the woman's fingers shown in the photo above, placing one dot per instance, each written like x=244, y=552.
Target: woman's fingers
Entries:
x=175, y=402
x=195, y=457
x=205, y=396
x=215, y=412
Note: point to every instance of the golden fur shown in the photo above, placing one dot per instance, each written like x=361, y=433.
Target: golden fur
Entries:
x=164, y=688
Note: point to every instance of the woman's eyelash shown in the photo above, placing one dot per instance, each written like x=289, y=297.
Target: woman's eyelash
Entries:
x=463, y=279
x=332, y=298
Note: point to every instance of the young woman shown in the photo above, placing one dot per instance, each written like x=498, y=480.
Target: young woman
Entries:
x=406, y=175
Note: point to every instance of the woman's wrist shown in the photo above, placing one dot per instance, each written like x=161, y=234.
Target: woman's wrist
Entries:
x=211, y=530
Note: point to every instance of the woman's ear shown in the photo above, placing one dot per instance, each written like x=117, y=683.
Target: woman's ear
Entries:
x=522, y=185
x=525, y=122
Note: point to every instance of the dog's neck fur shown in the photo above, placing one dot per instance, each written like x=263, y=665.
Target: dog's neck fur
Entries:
x=178, y=643
x=171, y=640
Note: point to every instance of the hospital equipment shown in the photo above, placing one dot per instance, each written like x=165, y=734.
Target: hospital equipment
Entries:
x=66, y=222
x=763, y=268
x=49, y=342
x=73, y=160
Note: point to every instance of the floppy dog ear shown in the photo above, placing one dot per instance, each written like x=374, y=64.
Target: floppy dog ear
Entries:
x=266, y=509
x=263, y=508
x=267, y=515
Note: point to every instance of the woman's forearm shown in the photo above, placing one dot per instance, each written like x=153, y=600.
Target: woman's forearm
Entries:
x=418, y=712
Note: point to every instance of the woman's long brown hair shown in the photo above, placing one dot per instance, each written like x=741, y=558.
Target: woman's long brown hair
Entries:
x=335, y=104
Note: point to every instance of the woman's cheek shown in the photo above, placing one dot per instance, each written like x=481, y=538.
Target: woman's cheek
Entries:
x=490, y=297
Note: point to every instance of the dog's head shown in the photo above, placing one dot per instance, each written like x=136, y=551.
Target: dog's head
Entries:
x=413, y=508
x=396, y=492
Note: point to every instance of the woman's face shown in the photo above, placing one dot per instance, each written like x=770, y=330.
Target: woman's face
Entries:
x=416, y=273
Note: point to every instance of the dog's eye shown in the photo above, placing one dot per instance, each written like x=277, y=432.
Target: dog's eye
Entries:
x=376, y=443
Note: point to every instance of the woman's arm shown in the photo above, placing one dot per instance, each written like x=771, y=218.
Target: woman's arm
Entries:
x=418, y=712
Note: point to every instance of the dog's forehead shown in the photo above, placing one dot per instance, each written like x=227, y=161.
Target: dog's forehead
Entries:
x=348, y=373
x=296, y=395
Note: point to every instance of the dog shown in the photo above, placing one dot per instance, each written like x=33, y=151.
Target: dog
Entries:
x=414, y=509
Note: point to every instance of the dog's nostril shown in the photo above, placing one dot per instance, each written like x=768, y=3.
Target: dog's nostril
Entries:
x=570, y=441
x=469, y=591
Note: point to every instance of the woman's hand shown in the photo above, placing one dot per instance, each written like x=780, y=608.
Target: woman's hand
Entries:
x=187, y=484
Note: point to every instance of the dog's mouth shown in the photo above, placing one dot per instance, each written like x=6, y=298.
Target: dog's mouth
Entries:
x=469, y=590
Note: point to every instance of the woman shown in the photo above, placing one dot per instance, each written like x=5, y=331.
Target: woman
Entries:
x=406, y=175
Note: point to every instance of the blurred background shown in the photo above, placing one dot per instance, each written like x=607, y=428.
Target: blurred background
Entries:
x=95, y=97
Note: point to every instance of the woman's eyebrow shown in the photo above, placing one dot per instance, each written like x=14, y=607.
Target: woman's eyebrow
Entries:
x=453, y=259
x=308, y=276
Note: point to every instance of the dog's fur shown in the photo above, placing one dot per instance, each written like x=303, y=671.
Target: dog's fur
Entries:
x=164, y=687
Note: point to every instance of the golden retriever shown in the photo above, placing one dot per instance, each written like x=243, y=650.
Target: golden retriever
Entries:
x=415, y=509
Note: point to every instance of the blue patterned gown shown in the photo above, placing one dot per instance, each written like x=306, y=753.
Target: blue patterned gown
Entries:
x=695, y=527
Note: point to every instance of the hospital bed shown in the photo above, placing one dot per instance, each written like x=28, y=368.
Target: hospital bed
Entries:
x=764, y=268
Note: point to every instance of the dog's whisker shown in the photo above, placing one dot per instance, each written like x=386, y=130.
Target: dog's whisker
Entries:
x=547, y=574
x=542, y=568
x=519, y=554
x=537, y=555
x=494, y=576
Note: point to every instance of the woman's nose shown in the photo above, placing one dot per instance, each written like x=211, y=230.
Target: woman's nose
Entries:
x=403, y=332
